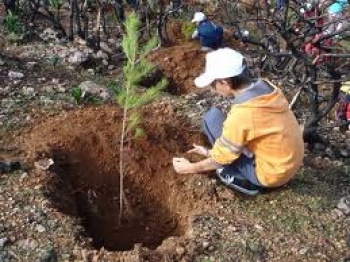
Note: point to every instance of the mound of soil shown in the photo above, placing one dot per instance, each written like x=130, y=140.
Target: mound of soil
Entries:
x=184, y=60
x=174, y=33
x=84, y=180
x=180, y=64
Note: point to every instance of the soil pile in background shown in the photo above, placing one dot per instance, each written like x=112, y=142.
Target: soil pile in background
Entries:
x=174, y=33
x=84, y=179
x=181, y=65
x=184, y=60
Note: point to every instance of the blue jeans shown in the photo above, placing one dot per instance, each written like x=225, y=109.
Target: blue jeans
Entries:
x=243, y=167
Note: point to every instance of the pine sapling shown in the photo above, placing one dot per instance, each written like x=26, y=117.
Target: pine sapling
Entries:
x=129, y=97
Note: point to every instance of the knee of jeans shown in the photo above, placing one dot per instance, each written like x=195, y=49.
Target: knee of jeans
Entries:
x=213, y=113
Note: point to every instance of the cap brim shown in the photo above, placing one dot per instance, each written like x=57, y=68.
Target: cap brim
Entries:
x=203, y=80
x=194, y=20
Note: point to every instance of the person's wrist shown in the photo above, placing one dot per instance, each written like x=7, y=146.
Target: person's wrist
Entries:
x=208, y=153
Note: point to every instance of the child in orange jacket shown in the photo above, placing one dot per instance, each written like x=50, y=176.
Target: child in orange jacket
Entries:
x=259, y=144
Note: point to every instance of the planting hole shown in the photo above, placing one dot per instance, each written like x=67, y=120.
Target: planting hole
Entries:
x=93, y=195
x=84, y=180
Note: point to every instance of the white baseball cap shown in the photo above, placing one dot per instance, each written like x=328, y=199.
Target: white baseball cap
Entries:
x=220, y=64
x=198, y=17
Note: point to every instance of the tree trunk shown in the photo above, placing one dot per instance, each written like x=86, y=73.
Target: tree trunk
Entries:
x=71, y=20
x=97, y=28
x=160, y=21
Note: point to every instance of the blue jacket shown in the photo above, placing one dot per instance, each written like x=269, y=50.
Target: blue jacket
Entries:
x=210, y=34
x=337, y=7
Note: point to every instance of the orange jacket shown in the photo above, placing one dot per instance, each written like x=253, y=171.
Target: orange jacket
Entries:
x=260, y=123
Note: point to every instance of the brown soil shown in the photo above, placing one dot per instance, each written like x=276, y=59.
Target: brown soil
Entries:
x=174, y=33
x=84, y=180
x=180, y=64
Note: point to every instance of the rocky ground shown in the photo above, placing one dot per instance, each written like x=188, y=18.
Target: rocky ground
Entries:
x=308, y=220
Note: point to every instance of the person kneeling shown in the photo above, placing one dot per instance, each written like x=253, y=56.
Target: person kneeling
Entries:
x=259, y=145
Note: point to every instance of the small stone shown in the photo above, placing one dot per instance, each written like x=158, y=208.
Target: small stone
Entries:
x=78, y=58
x=49, y=255
x=48, y=89
x=60, y=89
x=40, y=228
x=232, y=228
x=55, y=81
x=44, y=164
x=3, y=242
x=180, y=251
x=258, y=227
x=102, y=55
x=319, y=147
x=205, y=244
x=211, y=248
x=344, y=153
x=27, y=244
x=28, y=91
x=105, y=96
x=31, y=64
x=17, y=75
x=213, y=182
x=344, y=205
x=303, y=251
x=105, y=47
x=336, y=213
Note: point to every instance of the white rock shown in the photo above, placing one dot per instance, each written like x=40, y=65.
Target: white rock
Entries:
x=55, y=81
x=40, y=228
x=106, y=48
x=112, y=41
x=60, y=89
x=44, y=164
x=3, y=241
x=28, y=91
x=31, y=64
x=105, y=95
x=95, y=89
x=102, y=55
x=27, y=244
x=17, y=75
x=180, y=251
x=48, y=89
x=205, y=244
x=78, y=58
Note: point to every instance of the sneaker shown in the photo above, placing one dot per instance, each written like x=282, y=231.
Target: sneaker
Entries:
x=242, y=185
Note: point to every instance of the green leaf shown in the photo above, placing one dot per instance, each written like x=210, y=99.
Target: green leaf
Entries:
x=134, y=121
x=150, y=45
x=77, y=94
x=151, y=93
x=138, y=133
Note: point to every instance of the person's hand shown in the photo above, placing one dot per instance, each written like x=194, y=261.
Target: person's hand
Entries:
x=200, y=150
x=182, y=165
